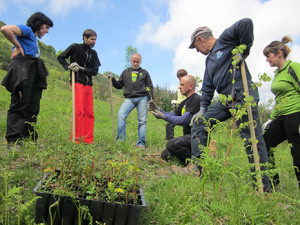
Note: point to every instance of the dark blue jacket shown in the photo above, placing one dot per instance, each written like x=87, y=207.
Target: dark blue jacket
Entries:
x=218, y=75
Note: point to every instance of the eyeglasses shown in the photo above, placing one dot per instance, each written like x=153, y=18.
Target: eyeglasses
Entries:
x=135, y=61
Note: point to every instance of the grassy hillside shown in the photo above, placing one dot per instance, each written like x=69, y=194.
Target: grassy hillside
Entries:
x=170, y=198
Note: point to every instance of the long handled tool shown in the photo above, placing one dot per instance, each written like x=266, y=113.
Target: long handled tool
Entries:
x=73, y=107
x=252, y=131
x=111, y=109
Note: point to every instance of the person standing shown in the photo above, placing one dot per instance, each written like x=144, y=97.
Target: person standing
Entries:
x=25, y=78
x=218, y=76
x=138, y=89
x=284, y=122
x=180, y=146
x=170, y=126
x=85, y=63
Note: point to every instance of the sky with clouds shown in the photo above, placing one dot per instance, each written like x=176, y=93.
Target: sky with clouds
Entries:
x=161, y=29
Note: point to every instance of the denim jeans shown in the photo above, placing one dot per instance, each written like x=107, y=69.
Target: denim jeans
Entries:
x=219, y=112
x=128, y=105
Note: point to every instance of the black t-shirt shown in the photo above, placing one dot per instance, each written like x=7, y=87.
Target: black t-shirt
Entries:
x=190, y=104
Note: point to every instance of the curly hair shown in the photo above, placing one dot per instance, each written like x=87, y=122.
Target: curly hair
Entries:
x=36, y=20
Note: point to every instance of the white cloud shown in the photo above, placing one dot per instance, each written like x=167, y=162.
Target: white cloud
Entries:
x=272, y=20
x=66, y=6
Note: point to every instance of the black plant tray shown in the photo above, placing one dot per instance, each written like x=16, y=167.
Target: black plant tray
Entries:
x=65, y=212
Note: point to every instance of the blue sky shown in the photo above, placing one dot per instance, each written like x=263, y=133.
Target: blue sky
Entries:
x=160, y=30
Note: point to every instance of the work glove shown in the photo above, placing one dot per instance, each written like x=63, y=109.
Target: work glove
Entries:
x=197, y=116
x=239, y=58
x=152, y=106
x=109, y=75
x=74, y=67
x=174, y=104
x=267, y=124
x=158, y=114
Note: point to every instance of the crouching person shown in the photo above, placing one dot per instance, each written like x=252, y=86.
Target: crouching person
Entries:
x=180, y=146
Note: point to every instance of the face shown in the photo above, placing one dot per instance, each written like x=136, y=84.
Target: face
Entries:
x=185, y=86
x=44, y=30
x=273, y=59
x=91, y=41
x=200, y=45
x=135, y=61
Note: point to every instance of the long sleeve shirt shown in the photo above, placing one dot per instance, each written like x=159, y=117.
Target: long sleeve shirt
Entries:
x=218, y=73
x=86, y=58
x=136, y=83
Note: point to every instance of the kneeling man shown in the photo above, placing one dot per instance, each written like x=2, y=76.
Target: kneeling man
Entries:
x=180, y=146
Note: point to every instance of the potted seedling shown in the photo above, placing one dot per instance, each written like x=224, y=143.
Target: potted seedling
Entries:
x=77, y=187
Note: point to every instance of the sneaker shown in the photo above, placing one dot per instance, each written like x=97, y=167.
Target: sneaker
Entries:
x=190, y=169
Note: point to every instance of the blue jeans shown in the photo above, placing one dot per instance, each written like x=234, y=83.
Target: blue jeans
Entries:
x=128, y=105
x=219, y=112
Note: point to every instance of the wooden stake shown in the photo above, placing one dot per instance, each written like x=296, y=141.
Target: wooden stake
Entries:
x=111, y=109
x=252, y=131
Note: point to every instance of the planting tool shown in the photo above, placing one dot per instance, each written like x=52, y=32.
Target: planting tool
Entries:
x=252, y=131
x=73, y=106
x=111, y=108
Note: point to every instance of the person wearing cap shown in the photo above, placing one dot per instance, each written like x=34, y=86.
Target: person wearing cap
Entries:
x=218, y=76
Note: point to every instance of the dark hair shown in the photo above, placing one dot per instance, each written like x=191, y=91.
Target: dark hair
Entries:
x=89, y=33
x=276, y=46
x=181, y=73
x=36, y=20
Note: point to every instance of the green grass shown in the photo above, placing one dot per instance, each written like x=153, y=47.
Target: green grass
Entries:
x=170, y=198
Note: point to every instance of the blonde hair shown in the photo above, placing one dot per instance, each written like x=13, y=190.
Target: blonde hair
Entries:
x=276, y=46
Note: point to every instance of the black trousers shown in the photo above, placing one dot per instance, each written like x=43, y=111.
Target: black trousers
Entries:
x=281, y=129
x=170, y=131
x=179, y=147
x=24, y=109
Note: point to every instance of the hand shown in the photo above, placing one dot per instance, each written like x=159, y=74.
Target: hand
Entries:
x=74, y=67
x=267, y=124
x=17, y=51
x=109, y=75
x=158, y=114
x=238, y=59
x=152, y=106
x=173, y=104
x=197, y=116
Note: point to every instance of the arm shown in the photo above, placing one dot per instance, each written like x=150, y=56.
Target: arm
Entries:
x=242, y=33
x=92, y=69
x=183, y=120
x=64, y=55
x=207, y=91
x=10, y=32
x=150, y=85
x=119, y=84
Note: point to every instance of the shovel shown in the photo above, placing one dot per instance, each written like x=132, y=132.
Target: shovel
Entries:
x=73, y=106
